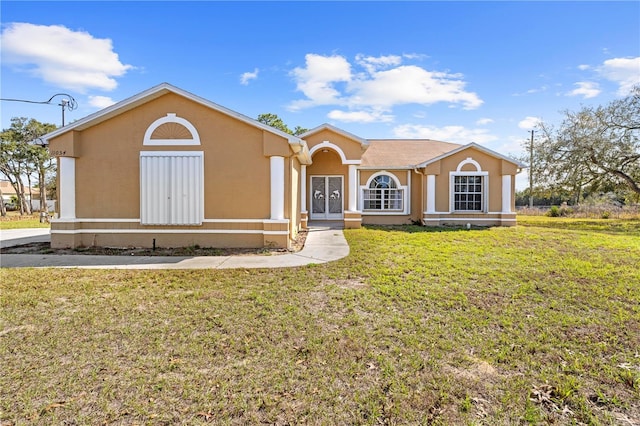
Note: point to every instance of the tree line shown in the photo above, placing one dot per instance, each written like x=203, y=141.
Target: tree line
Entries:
x=593, y=152
x=24, y=159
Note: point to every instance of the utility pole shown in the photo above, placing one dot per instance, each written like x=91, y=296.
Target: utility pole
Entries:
x=531, y=171
x=63, y=103
x=68, y=103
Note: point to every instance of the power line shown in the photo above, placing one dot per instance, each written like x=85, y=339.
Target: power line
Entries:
x=69, y=103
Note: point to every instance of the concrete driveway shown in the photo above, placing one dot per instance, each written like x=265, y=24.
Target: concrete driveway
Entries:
x=16, y=237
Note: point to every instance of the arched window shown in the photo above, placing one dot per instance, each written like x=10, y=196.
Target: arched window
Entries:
x=469, y=188
x=171, y=130
x=383, y=194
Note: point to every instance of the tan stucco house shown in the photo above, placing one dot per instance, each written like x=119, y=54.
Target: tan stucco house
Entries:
x=168, y=168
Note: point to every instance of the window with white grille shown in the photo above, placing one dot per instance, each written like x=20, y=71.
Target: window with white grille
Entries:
x=383, y=194
x=468, y=193
x=171, y=187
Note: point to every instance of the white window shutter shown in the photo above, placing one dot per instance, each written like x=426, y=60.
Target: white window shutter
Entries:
x=171, y=188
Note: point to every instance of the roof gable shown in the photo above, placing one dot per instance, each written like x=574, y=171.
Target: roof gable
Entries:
x=154, y=93
x=334, y=129
x=469, y=146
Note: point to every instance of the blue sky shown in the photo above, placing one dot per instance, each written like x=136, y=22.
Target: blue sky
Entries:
x=455, y=71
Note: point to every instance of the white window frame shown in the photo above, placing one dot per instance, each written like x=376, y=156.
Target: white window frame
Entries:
x=160, y=191
x=403, y=189
x=484, y=194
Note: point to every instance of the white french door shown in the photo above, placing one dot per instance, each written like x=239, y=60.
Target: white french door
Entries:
x=326, y=197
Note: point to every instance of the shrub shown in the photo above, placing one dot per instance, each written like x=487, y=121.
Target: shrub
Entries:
x=554, y=211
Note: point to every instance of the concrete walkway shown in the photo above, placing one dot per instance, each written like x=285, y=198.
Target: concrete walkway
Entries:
x=324, y=243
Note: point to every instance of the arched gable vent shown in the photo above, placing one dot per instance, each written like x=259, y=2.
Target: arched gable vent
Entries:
x=171, y=130
x=470, y=161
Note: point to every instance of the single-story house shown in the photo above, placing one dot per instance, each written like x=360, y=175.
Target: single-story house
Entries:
x=9, y=195
x=169, y=168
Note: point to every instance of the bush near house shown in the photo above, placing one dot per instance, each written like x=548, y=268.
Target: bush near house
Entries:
x=535, y=324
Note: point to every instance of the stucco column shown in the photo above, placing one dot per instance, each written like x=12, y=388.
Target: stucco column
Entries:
x=506, y=193
x=303, y=188
x=353, y=188
x=277, y=187
x=431, y=193
x=67, y=175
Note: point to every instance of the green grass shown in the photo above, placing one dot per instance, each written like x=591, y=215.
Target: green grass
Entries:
x=535, y=324
x=15, y=221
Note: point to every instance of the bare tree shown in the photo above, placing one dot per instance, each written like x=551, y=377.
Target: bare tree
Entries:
x=592, y=149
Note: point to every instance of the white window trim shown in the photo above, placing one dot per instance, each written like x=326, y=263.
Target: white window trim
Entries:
x=171, y=118
x=485, y=191
x=405, y=197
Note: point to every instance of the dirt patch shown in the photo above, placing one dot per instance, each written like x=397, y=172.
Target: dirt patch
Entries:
x=45, y=248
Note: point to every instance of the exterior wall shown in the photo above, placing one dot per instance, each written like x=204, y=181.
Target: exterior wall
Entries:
x=495, y=168
x=475, y=219
x=404, y=178
x=327, y=164
x=236, y=181
x=417, y=196
x=335, y=154
x=294, y=196
x=352, y=149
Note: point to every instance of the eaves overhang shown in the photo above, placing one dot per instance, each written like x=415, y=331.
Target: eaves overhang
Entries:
x=470, y=145
x=326, y=126
x=154, y=93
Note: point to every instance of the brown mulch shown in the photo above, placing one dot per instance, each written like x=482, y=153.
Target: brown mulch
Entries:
x=45, y=248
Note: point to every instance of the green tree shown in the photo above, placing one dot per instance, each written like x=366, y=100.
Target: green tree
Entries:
x=274, y=121
x=593, y=150
x=24, y=156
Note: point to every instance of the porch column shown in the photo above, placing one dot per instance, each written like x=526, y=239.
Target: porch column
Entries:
x=277, y=187
x=431, y=193
x=303, y=188
x=67, y=175
x=506, y=193
x=353, y=188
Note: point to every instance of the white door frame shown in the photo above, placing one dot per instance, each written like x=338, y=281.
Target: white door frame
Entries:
x=326, y=215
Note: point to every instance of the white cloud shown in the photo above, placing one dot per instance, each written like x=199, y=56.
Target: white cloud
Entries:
x=584, y=67
x=246, y=77
x=372, y=64
x=418, y=56
x=484, y=121
x=100, y=101
x=529, y=123
x=382, y=83
x=623, y=71
x=360, y=116
x=410, y=84
x=316, y=80
x=456, y=134
x=70, y=59
x=585, y=89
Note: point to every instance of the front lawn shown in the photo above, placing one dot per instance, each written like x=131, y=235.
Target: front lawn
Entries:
x=13, y=220
x=535, y=324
